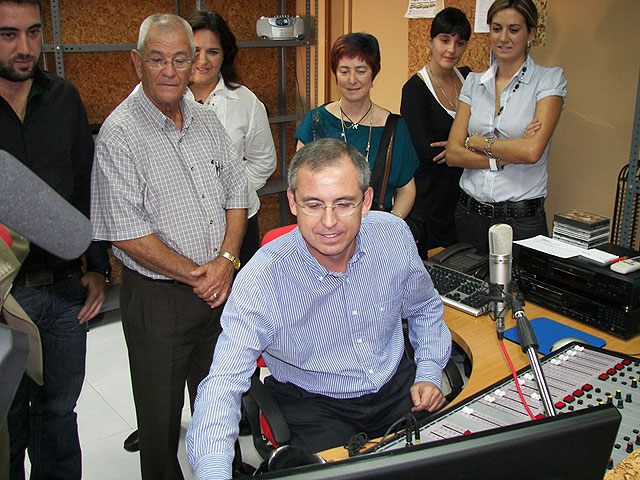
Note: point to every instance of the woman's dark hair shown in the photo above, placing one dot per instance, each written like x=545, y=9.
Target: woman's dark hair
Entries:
x=212, y=21
x=526, y=8
x=361, y=45
x=451, y=21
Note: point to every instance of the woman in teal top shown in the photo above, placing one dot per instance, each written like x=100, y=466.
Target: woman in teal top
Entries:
x=355, y=61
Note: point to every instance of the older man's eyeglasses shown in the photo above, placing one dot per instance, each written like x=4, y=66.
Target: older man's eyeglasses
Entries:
x=341, y=209
x=158, y=63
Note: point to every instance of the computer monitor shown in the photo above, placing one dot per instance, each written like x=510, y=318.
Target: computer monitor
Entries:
x=571, y=445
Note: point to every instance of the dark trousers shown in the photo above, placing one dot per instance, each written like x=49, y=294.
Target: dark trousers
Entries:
x=474, y=228
x=42, y=418
x=317, y=422
x=251, y=242
x=170, y=335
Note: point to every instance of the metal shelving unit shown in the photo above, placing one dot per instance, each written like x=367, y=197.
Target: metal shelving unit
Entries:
x=627, y=235
x=282, y=118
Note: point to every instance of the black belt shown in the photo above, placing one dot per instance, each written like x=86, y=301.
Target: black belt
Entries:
x=43, y=277
x=521, y=209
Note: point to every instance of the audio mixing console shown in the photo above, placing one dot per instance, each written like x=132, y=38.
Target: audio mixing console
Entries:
x=578, y=377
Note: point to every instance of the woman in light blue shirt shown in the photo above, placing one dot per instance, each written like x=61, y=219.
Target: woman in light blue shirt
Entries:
x=502, y=131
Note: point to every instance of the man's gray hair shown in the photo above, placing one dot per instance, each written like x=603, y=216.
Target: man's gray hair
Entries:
x=326, y=152
x=166, y=21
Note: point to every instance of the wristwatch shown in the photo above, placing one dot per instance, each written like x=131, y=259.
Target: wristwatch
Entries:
x=233, y=259
x=495, y=165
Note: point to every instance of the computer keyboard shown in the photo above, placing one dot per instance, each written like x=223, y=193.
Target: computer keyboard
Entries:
x=459, y=290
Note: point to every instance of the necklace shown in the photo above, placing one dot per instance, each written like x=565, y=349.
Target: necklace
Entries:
x=344, y=134
x=520, y=77
x=354, y=125
x=455, y=89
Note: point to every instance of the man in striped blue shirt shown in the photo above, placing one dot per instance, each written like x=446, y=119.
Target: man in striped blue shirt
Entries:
x=323, y=305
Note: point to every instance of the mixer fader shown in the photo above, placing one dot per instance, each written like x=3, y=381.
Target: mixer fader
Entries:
x=578, y=377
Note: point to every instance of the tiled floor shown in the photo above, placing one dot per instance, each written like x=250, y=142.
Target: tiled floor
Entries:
x=106, y=414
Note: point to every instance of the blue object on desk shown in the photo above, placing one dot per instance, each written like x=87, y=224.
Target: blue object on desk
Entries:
x=549, y=331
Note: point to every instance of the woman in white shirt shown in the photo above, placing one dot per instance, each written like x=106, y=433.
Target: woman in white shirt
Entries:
x=502, y=131
x=215, y=82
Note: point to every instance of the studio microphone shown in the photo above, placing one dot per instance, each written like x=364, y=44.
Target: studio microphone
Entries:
x=500, y=246
x=33, y=209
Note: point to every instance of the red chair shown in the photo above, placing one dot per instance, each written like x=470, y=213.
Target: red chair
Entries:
x=276, y=232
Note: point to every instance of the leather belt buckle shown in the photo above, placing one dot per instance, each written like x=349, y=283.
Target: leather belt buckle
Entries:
x=40, y=278
x=487, y=210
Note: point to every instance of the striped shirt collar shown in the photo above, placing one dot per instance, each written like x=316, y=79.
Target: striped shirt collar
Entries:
x=317, y=270
x=154, y=113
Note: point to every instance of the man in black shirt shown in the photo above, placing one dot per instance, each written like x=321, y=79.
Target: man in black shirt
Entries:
x=44, y=125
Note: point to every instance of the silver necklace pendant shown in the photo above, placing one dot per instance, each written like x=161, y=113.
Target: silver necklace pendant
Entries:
x=354, y=126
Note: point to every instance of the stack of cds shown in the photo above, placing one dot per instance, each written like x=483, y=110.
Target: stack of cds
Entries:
x=582, y=229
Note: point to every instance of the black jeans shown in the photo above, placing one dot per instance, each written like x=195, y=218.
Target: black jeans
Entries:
x=474, y=228
x=317, y=422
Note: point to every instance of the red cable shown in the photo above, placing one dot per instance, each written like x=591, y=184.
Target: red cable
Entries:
x=515, y=378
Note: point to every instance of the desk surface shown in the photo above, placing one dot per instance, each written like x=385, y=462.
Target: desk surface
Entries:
x=477, y=337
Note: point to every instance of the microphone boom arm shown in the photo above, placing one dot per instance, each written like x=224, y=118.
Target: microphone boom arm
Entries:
x=529, y=345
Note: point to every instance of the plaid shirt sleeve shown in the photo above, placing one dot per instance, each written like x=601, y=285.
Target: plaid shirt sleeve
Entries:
x=117, y=198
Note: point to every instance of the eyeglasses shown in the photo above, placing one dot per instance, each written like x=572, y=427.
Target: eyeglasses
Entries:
x=157, y=63
x=341, y=209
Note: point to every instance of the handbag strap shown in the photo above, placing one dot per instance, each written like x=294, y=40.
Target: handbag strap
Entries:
x=384, y=158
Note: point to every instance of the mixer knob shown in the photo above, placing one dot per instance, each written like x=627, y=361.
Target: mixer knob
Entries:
x=629, y=447
x=628, y=398
x=618, y=394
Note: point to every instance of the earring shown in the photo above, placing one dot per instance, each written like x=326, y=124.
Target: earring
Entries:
x=528, y=44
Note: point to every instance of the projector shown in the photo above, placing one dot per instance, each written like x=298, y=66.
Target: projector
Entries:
x=280, y=28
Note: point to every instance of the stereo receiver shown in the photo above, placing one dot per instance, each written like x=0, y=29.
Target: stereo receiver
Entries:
x=280, y=28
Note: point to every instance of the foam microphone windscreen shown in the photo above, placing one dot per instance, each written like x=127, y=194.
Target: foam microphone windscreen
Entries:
x=500, y=239
x=33, y=209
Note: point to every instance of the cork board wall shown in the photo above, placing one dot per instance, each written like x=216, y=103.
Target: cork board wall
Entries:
x=104, y=79
x=477, y=54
